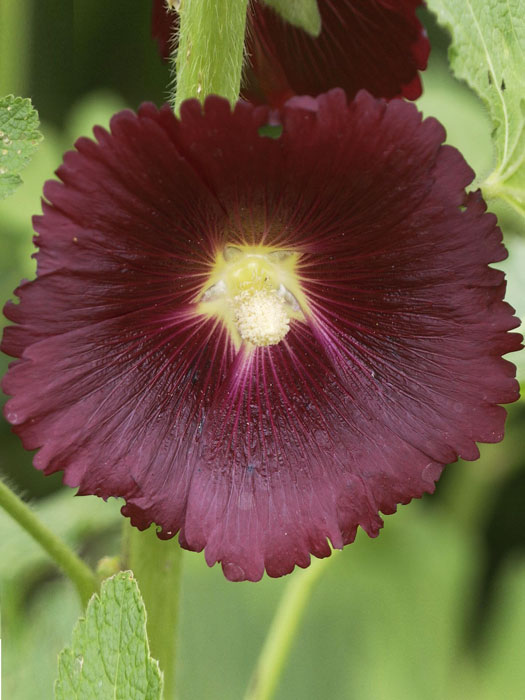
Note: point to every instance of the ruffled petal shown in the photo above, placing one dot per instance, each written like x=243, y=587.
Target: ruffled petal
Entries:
x=262, y=456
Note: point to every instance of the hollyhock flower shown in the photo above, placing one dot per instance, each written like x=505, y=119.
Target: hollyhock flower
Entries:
x=261, y=343
x=375, y=44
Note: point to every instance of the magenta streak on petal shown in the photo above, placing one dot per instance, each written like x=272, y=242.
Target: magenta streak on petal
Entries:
x=310, y=383
x=328, y=338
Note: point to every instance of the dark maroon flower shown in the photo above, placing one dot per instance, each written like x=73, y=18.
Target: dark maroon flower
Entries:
x=378, y=45
x=261, y=343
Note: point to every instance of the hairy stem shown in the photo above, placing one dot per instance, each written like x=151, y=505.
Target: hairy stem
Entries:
x=156, y=565
x=15, y=24
x=210, y=49
x=77, y=570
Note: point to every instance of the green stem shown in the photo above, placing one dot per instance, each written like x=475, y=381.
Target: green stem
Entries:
x=156, y=565
x=15, y=46
x=211, y=48
x=79, y=572
x=282, y=630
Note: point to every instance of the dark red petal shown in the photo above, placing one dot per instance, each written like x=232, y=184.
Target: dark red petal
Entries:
x=378, y=45
x=262, y=457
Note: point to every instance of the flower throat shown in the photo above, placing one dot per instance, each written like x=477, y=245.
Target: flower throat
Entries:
x=255, y=292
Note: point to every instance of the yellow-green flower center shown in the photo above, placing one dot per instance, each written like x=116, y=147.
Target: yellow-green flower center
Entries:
x=254, y=291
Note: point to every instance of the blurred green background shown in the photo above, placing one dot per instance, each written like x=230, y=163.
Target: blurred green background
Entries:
x=434, y=608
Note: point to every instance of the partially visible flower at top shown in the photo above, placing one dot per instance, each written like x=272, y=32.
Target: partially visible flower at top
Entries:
x=379, y=45
x=261, y=343
x=164, y=23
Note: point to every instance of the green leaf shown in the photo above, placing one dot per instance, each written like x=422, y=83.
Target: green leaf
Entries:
x=109, y=658
x=488, y=52
x=19, y=138
x=301, y=13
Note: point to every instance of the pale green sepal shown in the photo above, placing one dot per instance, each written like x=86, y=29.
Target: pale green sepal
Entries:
x=488, y=52
x=301, y=13
x=109, y=658
x=19, y=138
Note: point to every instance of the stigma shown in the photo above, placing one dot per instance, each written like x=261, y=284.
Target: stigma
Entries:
x=261, y=316
x=249, y=290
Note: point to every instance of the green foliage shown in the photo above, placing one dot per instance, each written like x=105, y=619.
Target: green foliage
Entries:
x=73, y=519
x=389, y=620
x=19, y=138
x=109, y=658
x=38, y=631
x=488, y=52
x=501, y=658
x=301, y=13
